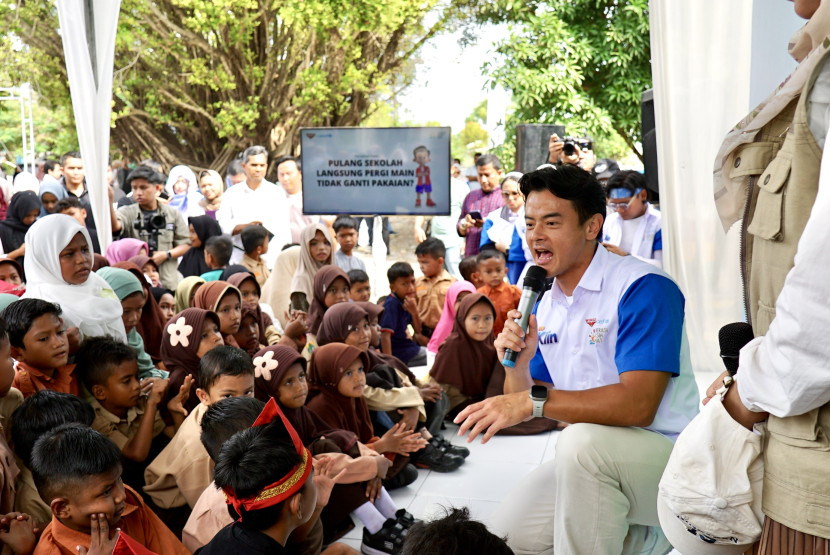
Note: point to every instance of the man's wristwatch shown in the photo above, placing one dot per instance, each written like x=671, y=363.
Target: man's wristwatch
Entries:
x=539, y=396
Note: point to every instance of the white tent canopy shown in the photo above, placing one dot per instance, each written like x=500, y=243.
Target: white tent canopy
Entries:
x=88, y=30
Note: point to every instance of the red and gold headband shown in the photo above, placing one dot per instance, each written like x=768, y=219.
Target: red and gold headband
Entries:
x=286, y=486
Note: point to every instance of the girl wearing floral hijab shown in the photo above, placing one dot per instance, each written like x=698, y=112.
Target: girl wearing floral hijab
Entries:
x=281, y=374
x=316, y=251
x=87, y=300
x=23, y=211
x=187, y=337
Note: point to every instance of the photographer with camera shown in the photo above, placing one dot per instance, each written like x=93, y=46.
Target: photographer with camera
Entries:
x=162, y=227
x=573, y=151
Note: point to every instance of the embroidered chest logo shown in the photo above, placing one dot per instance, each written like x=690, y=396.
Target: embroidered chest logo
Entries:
x=547, y=337
x=599, y=327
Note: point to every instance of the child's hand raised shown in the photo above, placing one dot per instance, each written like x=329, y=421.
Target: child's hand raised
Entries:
x=153, y=389
x=18, y=531
x=100, y=542
x=176, y=404
x=325, y=477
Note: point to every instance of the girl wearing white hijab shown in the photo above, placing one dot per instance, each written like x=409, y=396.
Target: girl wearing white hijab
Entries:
x=58, y=268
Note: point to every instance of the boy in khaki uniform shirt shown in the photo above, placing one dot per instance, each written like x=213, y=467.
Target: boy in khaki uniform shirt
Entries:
x=183, y=470
x=432, y=287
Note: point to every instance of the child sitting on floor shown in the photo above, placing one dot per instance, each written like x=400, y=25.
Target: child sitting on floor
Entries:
x=40, y=413
x=401, y=310
x=40, y=346
x=126, y=410
x=79, y=471
x=218, y=251
x=266, y=474
x=360, y=289
x=492, y=265
x=183, y=470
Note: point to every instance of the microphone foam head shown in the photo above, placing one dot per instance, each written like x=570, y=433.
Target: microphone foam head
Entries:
x=535, y=278
x=732, y=338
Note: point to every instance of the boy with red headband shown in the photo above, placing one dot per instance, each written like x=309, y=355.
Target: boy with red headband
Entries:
x=267, y=477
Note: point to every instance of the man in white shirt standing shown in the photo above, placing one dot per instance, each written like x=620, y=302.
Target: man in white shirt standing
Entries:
x=255, y=201
x=290, y=176
x=633, y=225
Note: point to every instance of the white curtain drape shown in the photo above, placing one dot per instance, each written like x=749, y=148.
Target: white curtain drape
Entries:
x=91, y=91
x=701, y=70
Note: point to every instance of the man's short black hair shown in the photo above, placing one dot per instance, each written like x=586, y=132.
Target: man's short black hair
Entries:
x=626, y=179
x=250, y=461
x=570, y=183
x=399, y=270
x=71, y=154
x=221, y=248
x=42, y=412
x=488, y=160
x=98, y=357
x=344, y=222
x=487, y=254
x=255, y=150
x=50, y=165
x=433, y=247
x=64, y=459
x=20, y=314
x=282, y=159
x=226, y=417
x=235, y=168
x=147, y=173
x=65, y=204
x=223, y=360
x=357, y=276
x=466, y=268
x=252, y=237
x=455, y=534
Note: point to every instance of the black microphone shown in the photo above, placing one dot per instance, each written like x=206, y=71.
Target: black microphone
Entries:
x=732, y=338
x=533, y=285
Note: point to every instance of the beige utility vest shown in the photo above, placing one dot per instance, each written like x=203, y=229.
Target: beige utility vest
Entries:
x=783, y=166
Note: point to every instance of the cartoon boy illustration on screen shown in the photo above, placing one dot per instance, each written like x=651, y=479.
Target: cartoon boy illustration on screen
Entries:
x=424, y=185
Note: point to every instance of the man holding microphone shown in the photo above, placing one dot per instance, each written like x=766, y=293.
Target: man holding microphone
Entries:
x=606, y=351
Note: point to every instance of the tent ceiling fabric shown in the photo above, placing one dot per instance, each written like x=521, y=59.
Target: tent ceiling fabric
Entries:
x=91, y=91
x=701, y=70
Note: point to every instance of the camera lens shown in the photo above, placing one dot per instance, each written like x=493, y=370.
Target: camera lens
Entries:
x=569, y=149
x=157, y=221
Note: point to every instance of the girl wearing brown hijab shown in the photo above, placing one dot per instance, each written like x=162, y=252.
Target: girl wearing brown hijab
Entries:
x=338, y=375
x=316, y=251
x=390, y=389
x=187, y=337
x=331, y=286
x=251, y=293
x=281, y=374
x=465, y=361
x=225, y=301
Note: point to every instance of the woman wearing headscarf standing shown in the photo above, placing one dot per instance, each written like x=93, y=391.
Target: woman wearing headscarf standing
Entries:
x=183, y=191
x=22, y=213
x=193, y=262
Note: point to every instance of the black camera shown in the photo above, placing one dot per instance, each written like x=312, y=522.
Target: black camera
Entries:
x=149, y=226
x=572, y=142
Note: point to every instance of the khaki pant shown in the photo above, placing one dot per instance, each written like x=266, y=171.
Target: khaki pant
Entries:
x=597, y=496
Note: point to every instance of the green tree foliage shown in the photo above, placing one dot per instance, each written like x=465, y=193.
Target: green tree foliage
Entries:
x=197, y=81
x=473, y=137
x=581, y=63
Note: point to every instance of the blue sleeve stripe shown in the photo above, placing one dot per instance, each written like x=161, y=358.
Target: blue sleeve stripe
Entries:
x=658, y=241
x=538, y=368
x=650, y=317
